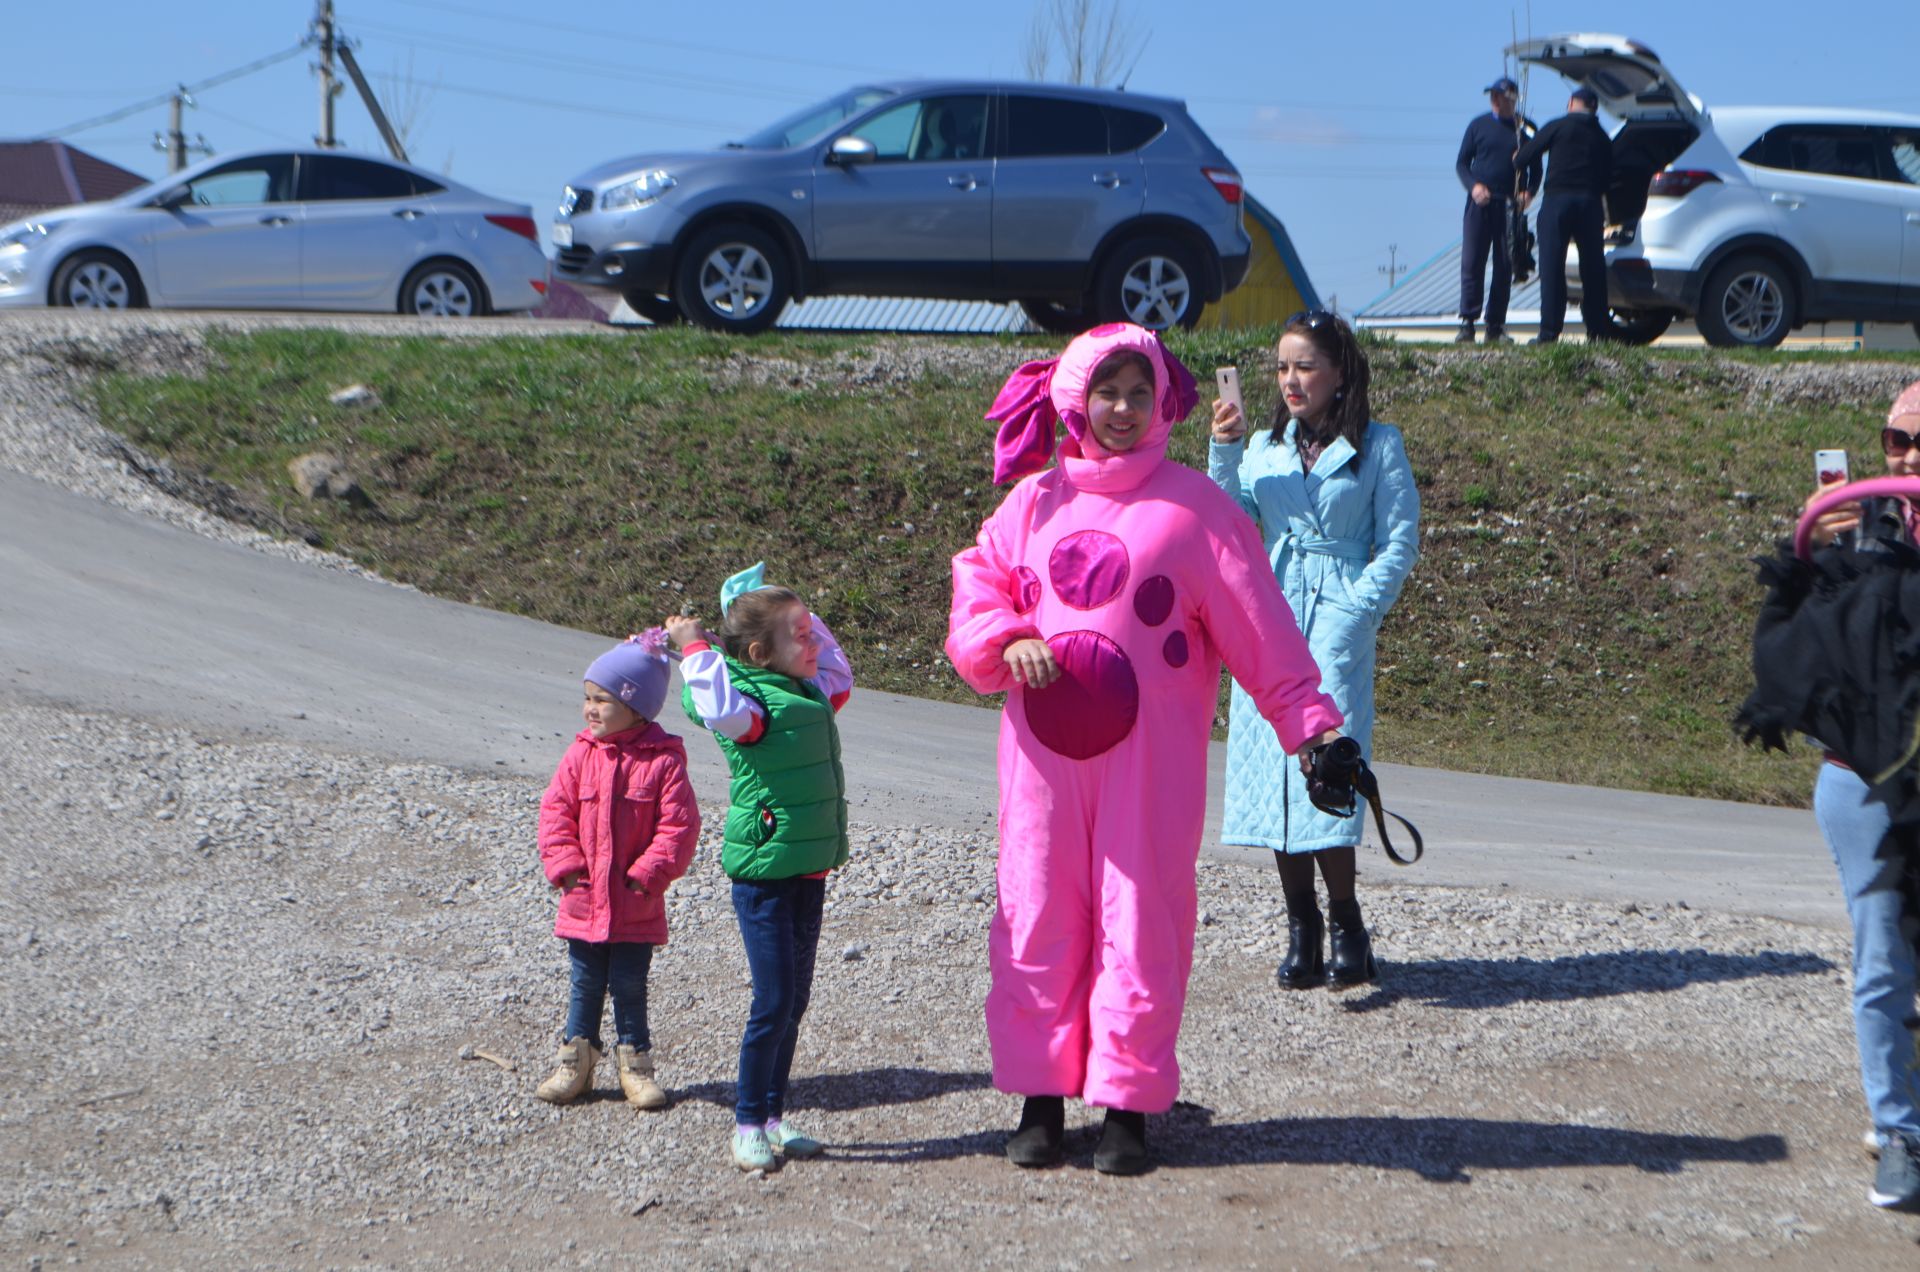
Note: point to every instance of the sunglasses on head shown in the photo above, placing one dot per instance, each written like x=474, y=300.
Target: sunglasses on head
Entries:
x=1312, y=319
x=1897, y=441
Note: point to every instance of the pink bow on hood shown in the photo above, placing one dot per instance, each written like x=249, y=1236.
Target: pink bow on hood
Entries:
x=1041, y=395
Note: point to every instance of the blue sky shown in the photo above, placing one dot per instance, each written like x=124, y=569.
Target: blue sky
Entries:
x=1344, y=118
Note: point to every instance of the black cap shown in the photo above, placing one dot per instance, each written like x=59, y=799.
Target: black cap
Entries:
x=1502, y=85
x=1586, y=97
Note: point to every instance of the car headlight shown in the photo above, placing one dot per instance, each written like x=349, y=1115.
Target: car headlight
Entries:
x=637, y=193
x=23, y=235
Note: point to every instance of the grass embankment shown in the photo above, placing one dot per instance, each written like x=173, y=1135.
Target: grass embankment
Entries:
x=1580, y=613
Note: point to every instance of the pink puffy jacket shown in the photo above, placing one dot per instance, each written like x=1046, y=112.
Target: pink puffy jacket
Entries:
x=619, y=808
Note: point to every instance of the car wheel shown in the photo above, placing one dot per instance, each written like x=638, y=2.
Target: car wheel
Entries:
x=443, y=289
x=1151, y=282
x=98, y=280
x=1748, y=303
x=733, y=278
x=658, y=310
x=1640, y=326
x=1062, y=320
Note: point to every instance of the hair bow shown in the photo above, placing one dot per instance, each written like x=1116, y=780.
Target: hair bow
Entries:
x=750, y=579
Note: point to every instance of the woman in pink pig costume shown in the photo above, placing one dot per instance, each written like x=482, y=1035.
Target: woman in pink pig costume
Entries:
x=1102, y=596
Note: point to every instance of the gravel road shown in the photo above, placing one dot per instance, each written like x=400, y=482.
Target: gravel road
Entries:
x=242, y=978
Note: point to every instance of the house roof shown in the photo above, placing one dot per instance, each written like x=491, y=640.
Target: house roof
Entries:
x=1431, y=294
x=52, y=174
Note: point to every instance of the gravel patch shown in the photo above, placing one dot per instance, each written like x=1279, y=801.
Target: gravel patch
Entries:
x=242, y=979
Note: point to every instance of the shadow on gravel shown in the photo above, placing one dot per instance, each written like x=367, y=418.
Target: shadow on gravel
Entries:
x=1439, y=1149
x=841, y=1092
x=1470, y=983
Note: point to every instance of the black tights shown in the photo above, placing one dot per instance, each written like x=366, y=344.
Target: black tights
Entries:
x=1296, y=877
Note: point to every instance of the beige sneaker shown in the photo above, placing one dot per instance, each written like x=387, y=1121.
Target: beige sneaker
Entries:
x=573, y=1076
x=636, y=1078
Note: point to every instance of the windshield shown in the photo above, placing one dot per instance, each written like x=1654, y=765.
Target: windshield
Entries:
x=804, y=125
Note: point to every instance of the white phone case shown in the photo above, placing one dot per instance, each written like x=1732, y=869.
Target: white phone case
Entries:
x=1228, y=378
x=1829, y=466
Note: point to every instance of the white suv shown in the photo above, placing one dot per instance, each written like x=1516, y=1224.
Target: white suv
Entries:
x=1751, y=220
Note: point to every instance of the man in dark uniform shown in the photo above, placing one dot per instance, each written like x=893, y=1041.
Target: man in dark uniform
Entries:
x=1579, y=165
x=1485, y=169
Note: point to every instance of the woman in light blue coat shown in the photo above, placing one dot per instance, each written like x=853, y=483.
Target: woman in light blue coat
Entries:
x=1334, y=496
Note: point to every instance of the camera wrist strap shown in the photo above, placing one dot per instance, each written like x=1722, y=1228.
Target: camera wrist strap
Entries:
x=1369, y=786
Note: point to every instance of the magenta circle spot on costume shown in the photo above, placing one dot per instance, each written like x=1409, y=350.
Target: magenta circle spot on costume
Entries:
x=1154, y=600
x=1088, y=568
x=1175, y=650
x=1026, y=589
x=1091, y=708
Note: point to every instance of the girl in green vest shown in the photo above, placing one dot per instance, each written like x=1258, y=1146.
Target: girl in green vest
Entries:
x=768, y=694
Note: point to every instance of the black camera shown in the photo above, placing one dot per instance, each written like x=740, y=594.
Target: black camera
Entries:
x=1331, y=770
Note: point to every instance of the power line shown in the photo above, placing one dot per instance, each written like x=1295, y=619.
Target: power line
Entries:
x=161, y=100
x=467, y=47
x=602, y=35
x=585, y=108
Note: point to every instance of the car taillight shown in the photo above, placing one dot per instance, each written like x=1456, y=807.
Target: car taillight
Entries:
x=1675, y=182
x=1226, y=181
x=521, y=225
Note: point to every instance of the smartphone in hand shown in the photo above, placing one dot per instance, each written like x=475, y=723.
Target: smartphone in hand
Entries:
x=1228, y=380
x=1829, y=467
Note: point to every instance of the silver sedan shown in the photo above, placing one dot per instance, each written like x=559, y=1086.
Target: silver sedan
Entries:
x=282, y=230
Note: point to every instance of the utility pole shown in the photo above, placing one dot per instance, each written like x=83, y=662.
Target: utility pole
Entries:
x=372, y=102
x=329, y=84
x=174, y=140
x=1393, y=269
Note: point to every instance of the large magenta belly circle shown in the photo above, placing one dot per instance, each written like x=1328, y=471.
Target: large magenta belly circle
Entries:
x=1091, y=708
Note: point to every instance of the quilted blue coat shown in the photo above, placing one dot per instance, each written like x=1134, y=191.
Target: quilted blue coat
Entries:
x=1341, y=540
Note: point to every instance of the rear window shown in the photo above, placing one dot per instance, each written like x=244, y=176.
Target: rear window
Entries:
x=1054, y=126
x=1131, y=129
x=328, y=177
x=1828, y=150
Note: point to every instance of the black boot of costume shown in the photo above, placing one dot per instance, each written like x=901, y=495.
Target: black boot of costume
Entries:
x=1305, y=966
x=1352, y=962
x=1043, y=1125
x=1123, y=1144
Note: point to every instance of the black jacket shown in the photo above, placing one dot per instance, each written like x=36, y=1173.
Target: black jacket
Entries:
x=1836, y=655
x=1579, y=156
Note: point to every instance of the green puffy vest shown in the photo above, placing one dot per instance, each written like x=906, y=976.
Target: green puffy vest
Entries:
x=787, y=806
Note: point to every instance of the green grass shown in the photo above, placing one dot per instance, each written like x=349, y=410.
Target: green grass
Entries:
x=1580, y=613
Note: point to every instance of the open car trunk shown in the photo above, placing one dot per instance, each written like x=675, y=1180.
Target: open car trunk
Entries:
x=1660, y=119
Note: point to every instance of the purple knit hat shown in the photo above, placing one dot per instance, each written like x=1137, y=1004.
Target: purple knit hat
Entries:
x=635, y=672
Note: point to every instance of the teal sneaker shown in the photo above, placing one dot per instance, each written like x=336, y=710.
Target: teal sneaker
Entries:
x=789, y=1141
x=751, y=1150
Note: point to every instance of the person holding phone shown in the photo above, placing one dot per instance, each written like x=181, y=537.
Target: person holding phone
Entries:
x=1334, y=497
x=1885, y=979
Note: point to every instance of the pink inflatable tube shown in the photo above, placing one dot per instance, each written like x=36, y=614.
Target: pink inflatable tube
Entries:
x=1803, y=533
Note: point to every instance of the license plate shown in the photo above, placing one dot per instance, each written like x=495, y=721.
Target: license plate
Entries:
x=563, y=236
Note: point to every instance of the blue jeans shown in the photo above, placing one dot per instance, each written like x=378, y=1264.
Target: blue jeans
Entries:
x=597, y=969
x=1884, y=977
x=780, y=926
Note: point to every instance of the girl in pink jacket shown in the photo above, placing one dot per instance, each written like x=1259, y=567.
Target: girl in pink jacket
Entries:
x=617, y=825
x=1102, y=597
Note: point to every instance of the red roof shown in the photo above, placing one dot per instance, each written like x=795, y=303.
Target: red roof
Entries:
x=51, y=174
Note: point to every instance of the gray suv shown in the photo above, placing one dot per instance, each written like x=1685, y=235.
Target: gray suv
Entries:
x=1085, y=205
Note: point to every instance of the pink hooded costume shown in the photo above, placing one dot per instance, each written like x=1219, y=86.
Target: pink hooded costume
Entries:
x=1141, y=576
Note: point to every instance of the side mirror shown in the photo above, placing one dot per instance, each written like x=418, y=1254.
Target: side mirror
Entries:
x=170, y=200
x=848, y=151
